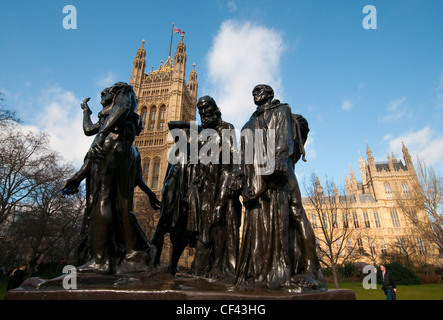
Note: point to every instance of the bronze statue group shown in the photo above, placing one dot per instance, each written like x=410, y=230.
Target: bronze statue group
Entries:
x=202, y=201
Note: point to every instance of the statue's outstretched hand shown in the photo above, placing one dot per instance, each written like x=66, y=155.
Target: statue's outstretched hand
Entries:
x=85, y=106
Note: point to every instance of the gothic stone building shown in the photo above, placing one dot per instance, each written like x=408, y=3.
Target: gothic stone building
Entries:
x=369, y=209
x=163, y=95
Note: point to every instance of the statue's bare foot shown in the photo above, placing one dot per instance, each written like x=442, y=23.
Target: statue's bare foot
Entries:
x=94, y=267
x=196, y=273
x=307, y=280
x=214, y=274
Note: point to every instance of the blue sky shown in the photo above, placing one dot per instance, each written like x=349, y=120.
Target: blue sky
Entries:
x=355, y=86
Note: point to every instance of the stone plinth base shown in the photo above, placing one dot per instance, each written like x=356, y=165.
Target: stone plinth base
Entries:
x=158, y=285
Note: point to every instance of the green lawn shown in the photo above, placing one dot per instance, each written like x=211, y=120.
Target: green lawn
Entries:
x=3, y=285
x=416, y=292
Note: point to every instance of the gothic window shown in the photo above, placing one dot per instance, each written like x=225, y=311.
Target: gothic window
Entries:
x=382, y=246
x=162, y=118
x=355, y=218
x=314, y=221
x=345, y=220
x=366, y=217
x=350, y=246
x=421, y=246
x=334, y=220
x=401, y=245
x=145, y=171
x=152, y=117
x=377, y=219
x=388, y=190
x=360, y=245
x=155, y=173
x=405, y=189
x=372, y=247
x=395, y=219
x=143, y=116
x=325, y=221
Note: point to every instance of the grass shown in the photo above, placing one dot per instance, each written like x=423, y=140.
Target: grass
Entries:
x=3, y=285
x=413, y=292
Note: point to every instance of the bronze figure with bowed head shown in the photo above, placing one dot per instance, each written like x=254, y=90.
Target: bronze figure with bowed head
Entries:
x=214, y=207
x=278, y=243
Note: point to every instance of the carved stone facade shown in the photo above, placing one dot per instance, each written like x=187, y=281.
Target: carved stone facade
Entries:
x=379, y=225
x=163, y=95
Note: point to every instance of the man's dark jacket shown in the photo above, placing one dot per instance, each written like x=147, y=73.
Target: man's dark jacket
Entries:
x=388, y=281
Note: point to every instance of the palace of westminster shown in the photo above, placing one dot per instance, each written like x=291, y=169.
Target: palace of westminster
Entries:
x=166, y=95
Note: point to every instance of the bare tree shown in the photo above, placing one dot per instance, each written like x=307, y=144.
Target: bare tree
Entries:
x=34, y=219
x=422, y=203
x=24, y=161
x=6, y=115
x=407, y=251
x=372, y=253
x=332, y=215
x=48, y=225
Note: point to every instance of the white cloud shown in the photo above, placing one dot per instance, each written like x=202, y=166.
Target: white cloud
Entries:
x=243, y=54
x=425, y=143
x=386, y=137
x=395, y=110
x=362, y=86
x=347, y=105
x=105, y=81
x=62, y=117
x=232, y=6
x=395, y=104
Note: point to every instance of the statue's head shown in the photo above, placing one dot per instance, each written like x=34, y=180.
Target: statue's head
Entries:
x=262, y=94
x=106, y=97
x=210, y=114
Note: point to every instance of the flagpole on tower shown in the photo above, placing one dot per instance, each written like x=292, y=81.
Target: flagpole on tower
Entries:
x=172, y=34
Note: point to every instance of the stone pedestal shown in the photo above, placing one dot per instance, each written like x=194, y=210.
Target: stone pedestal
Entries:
x=157, y=285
